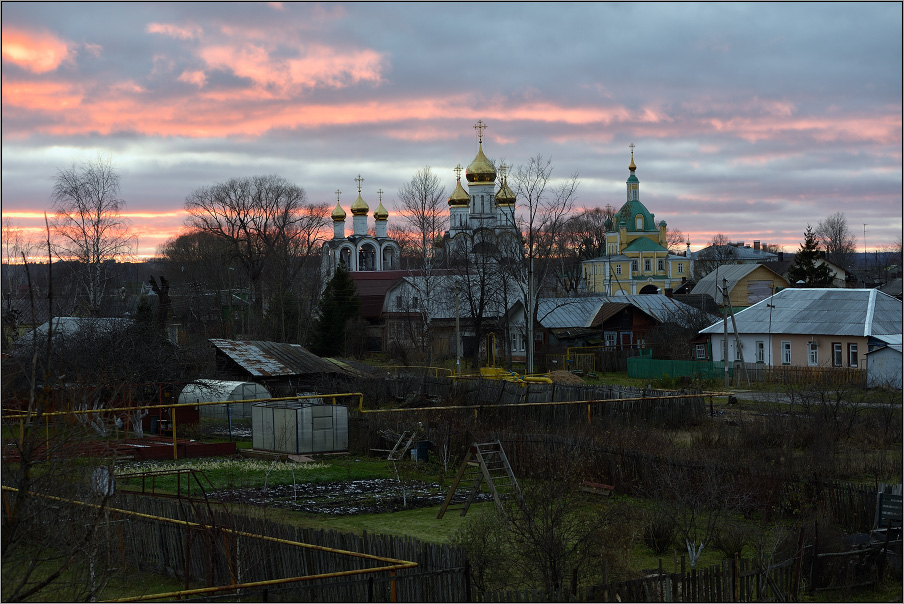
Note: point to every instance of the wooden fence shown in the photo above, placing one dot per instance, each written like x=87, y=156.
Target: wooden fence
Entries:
x=212, y=557
x=787, y=374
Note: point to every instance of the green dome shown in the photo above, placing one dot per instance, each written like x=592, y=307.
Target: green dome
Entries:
x=630, y=210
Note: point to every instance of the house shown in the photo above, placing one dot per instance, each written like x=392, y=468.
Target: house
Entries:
x=705, y=260
x=785, y=261
x=883, y=363
x=284, y=369
x=747, y=284
x=637, y=260
x=815, y=327
x=410, y=305
x=616, y=322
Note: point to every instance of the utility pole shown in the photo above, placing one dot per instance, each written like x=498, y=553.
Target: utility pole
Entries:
x=725, y=331
x=457, y=334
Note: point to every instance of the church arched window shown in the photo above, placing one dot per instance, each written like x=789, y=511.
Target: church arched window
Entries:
x=638, y=222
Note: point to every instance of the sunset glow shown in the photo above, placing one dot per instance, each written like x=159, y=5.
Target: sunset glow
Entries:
x=750, y=127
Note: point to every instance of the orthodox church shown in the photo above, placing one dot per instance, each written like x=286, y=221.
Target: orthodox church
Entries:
x=637, y=260
x=360, y=251
x=481, y=219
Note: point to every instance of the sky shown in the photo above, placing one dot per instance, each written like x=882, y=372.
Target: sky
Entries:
x=749, y=120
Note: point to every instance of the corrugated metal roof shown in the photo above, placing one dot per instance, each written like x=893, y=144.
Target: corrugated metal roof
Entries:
x=821, y=311
x=558, y=313
x=269, y=359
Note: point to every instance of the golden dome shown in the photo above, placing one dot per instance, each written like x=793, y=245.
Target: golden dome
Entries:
x=338, y=213
x=359, y=208
x=459, y=197
x=481, y=169
x=380, y=213
x=505, y=196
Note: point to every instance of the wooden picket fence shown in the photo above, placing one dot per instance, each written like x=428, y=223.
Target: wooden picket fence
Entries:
x=741, y=581
x=209, y=556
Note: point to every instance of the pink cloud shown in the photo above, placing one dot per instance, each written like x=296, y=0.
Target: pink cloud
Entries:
x=38, y=52
x=318, y=65
x=198, y=78
x=42, y=96
x=181, y=32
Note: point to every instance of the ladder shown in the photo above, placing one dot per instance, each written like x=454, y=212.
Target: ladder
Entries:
x=403, y=444
x=485, y=462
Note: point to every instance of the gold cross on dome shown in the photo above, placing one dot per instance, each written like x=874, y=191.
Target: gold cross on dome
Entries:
x=338, y=192
x=380, y=193
x=358, y=180
x=502, y=170
x=457, y=171
x=480, y=127
x=632, y=147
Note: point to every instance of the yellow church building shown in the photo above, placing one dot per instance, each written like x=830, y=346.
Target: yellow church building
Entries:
x=637, y=260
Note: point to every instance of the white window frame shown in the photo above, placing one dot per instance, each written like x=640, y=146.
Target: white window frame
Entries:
x=812, y=354
x=853, y=360
x=760, y=351
x=638, y=222
x=739, y=346
x=700, y=351
x=786, y=352
x=611, y=339
x=660, y=265
x=618, y=269
x=634, y=266
x=647, y=265
x=680, y=268
x=837, y=354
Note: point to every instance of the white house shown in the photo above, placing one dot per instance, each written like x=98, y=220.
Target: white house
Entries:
x=818, y=327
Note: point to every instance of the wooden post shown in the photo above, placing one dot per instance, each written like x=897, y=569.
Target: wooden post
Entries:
x=392, y=587
x=735, y=579
x=173, y=422
x=798, y=559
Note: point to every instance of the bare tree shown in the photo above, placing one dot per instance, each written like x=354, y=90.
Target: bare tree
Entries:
x=837, y=240
x=89, y=227
x=256, y=216
x=676, y=241
x=546, y=207
x=718, y=252
x=423, y=211
x=583, y=238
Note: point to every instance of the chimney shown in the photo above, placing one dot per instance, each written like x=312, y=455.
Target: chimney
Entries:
x=756, y=246
x=668, y=292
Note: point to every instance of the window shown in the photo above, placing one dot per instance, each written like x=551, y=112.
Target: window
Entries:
x=638, y=222
x=414, y=302
x=634, y=266
x=813, y=354
x=737, y=353
x=618, y=269
x=538, y=336
x=517, y=341
x=611, y=339
x=700, y=351
x=852, y=355
x=837, y=354
x=647, y=265
x=786, y=353
x=680, y=268
x=660, y=265
x=760, y=352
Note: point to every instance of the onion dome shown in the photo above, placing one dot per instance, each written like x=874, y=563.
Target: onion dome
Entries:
x=505, y=196
x=661, y=223
x=338, y=213
x=459, y=197
x=380, y=213
x=481, y=169
x=359, y=208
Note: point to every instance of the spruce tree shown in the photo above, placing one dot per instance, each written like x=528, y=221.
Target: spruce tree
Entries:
x=338, y=304
x=807, y=267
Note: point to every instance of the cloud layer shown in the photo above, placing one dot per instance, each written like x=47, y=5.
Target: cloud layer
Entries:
x=751, y=120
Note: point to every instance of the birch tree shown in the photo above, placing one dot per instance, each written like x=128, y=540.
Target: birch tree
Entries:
x=422, y=204
x=88, y=225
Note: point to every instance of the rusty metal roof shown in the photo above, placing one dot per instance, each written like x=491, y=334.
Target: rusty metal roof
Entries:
x=269, y=359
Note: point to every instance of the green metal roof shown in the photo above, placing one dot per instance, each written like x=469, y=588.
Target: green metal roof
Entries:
x=631, y=209
x=644, y=244
x=632, y=178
